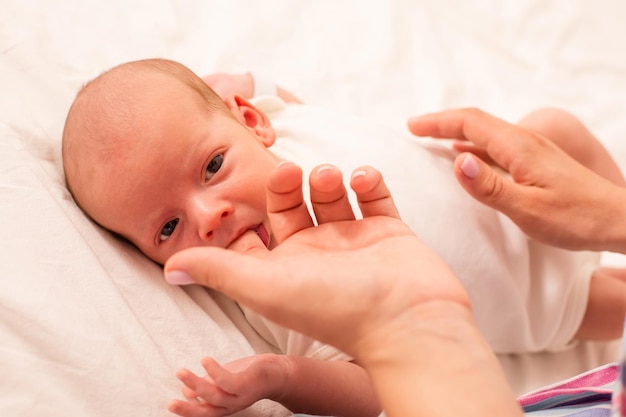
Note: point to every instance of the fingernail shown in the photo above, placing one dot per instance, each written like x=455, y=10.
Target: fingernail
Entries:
x=324, y=168
x=175, y=277
x=469, y=167
x=359, y=173
x=281, y=163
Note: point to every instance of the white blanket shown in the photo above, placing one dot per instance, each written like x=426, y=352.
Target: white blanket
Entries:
x=87, y=325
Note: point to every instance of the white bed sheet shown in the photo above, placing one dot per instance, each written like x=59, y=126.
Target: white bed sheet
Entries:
x=87, y=326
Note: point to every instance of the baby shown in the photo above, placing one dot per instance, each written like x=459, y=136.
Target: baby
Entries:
x=153, y=154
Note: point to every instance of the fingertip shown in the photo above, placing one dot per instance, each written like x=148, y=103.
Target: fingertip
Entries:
x=207, y=361
x=421, y=125
x=469, y=166
x=322, y=168
x=284, y=163
x=176, y=406
x=412, y=124
x=373, y=196
x=182, y=373
x=329, y=199
x=177, y=277
x=173, y=406
x=285, y=177
x=286, y=208
x=415, y=120
x=366, y=179
x=483, y=183
x=325, y=178
x=284, y=188
x=212, y=368
x=359, y=173
x=362, y=180
x=192, y=262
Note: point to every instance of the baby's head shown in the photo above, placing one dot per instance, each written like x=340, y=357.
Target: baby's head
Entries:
x=151, y=153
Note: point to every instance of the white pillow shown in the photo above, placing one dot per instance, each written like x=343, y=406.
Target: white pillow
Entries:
x=88, y=327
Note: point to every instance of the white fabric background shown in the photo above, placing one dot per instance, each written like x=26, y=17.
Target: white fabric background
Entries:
x=87, y=327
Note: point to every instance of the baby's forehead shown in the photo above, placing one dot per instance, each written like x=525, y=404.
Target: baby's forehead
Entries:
x=121, y=108
x=116, y=100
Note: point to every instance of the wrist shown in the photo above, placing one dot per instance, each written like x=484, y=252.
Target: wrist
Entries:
x=274, y=371
x=436, y=349
x=435, y=322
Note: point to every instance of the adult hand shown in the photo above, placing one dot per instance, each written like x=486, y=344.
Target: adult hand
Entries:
x=369, y=287
x=549, y=195
x=348, y=276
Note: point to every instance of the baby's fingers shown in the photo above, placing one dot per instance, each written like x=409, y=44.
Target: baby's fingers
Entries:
x=372, y=193
x=329, y=198
x=190, y=380
x=203, y=393
x=218, y=374
x=189, y=409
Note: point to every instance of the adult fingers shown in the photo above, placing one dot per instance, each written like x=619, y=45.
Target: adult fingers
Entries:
x=329, y=198
x=499, y=138
x=464, y=146
x=488, y=186
x=373, y=196
x=465, y=124
x=237, y=275
x=286, y=208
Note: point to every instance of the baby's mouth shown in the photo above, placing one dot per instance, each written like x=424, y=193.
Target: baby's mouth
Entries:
x=245, y=240
x=263, y=234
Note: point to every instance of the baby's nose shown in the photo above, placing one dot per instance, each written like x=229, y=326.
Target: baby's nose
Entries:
x=210, y=216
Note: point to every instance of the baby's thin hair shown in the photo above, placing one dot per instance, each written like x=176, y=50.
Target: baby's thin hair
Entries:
x=169, y=67
x=183, y=74
x=80, y=131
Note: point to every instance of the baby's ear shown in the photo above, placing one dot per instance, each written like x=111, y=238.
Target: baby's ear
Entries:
x=252, y=118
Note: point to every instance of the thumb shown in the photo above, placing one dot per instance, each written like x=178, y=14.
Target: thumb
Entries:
x=241, y=277
x=485, y=184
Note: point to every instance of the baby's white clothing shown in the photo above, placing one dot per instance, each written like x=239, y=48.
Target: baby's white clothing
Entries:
x=526, y=296
x=289, y=342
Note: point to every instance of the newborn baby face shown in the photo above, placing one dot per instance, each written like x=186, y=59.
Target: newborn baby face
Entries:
x=184, y=177
x=204, y=187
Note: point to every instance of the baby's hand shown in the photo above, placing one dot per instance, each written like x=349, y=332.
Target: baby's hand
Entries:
x=228, y=84
x=230, y=388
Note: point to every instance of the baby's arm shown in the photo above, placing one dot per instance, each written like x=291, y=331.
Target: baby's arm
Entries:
x=301, y=384
x=225, y=84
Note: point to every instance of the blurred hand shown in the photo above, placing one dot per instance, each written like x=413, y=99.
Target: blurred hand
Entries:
x=225, y=84
x=549, y=195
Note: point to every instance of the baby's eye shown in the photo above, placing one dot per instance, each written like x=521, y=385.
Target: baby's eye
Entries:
x=213, y=166
x=168, y=229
